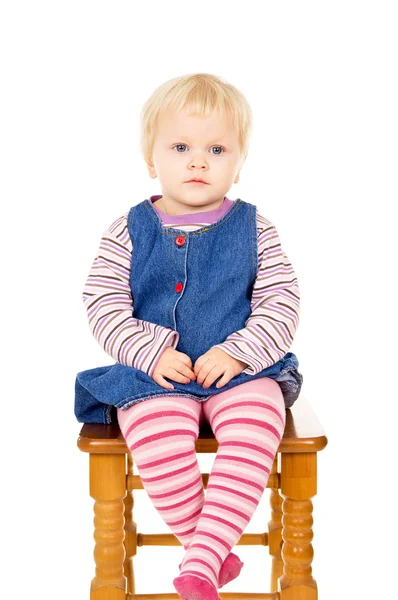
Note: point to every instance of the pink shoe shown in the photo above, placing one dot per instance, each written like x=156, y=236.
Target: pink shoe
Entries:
x=190, y=587
x=230, y=569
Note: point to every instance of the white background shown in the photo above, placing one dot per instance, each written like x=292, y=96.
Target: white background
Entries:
x=321, y=78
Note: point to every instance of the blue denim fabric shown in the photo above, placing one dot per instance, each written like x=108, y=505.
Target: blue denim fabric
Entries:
x=217, y=266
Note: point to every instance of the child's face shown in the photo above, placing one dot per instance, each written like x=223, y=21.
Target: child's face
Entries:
x=188, y=147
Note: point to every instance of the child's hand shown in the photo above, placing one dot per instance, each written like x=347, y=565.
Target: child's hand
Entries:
x=216, y=362
x=174, y=365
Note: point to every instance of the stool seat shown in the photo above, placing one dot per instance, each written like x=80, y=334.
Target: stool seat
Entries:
x=303, y=433
x=289, y=535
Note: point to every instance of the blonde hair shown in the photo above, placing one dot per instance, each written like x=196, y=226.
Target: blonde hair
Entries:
x=200, y=94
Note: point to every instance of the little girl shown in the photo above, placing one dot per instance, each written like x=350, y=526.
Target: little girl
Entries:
x=193, y=296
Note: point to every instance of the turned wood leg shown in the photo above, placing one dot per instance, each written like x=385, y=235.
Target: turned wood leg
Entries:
x=275, y=532
x=130, y=539
x=108, y=488
x=298, y=485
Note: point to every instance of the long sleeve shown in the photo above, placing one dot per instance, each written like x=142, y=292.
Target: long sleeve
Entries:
x=109, y=304
x=275, y=307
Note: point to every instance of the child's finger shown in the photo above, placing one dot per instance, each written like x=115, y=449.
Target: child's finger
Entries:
x=224, y=380
x=212, y=375
x=160, y=380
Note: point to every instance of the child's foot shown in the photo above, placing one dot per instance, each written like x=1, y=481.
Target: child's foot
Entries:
x=230, y=569
x=190, y=587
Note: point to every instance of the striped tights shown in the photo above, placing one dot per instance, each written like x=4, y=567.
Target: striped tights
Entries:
x=248, y=421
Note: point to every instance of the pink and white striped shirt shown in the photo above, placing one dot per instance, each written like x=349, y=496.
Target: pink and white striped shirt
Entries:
x=268, y=332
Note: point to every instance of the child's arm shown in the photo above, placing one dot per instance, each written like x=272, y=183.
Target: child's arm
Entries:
x=109, y=304
x=275, y=307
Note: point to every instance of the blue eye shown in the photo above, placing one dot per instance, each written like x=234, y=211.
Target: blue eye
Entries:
x=184, y=145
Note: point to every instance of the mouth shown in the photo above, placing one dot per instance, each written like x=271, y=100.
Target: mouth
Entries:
x=197, y=181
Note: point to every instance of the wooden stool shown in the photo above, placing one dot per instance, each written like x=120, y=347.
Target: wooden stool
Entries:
x=289, y=533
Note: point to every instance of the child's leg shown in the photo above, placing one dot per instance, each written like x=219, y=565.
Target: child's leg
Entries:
x=161, y=434
x=248, y=421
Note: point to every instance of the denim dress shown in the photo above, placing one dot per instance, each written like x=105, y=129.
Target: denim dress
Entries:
x=198, y=283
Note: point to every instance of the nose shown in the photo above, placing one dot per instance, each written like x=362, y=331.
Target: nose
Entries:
x=198, y=162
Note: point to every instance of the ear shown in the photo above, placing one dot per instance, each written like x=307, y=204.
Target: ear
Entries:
x=236, y=180
x=151, y=170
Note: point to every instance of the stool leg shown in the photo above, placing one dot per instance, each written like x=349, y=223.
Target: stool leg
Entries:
x=108, y=488
x=275, y=532
x=298, y=485
x=130, y=528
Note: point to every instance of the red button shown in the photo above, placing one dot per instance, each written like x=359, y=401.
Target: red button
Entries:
x=179, y=286
x=180, y=240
